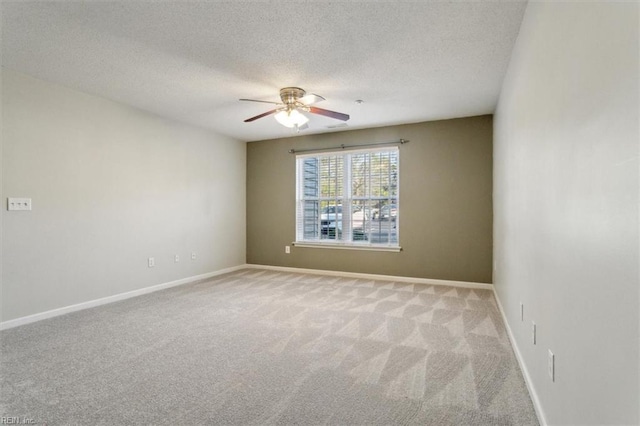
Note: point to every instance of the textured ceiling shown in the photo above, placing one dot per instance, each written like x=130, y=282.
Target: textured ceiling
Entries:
x=192, y=61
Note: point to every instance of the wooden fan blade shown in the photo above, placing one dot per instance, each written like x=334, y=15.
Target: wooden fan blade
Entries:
x=311, y=98
x=327, y=113
x=248, y=120
x=255, y=100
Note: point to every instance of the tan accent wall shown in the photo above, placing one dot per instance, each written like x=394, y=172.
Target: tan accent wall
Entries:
x=445, y=202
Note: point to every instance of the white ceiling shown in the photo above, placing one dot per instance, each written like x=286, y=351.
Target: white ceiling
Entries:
x=192, y=61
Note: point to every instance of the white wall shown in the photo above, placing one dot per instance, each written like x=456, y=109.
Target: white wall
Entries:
x=566, y=207
x=111, y=186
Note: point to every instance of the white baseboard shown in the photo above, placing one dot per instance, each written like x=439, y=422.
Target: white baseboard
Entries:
x=525, y=372
x=110, y=299
x=463, y=284
x=122, y=296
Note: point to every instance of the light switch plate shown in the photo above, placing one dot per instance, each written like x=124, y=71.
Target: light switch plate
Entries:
x=18, y=203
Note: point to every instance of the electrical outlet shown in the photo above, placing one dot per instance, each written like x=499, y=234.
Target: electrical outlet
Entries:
x=521, y=311
x=551, y=366
x=18, y=203
x=176, y=258
x=533, y=332
x=287, y=249
x=193, y=255
x=151, y=262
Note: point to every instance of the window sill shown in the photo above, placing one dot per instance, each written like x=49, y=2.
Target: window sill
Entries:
x=306, y=244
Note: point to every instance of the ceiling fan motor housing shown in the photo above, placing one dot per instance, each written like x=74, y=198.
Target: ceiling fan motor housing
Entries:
x=290, y=95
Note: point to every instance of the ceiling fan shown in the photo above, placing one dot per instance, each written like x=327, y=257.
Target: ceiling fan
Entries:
x=294, y=100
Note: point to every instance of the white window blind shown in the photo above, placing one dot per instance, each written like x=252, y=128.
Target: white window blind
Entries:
x=349, y=197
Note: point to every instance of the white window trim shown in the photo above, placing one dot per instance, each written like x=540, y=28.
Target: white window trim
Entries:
x=345, y=245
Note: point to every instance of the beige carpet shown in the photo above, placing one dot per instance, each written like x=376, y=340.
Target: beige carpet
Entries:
x=262, y=347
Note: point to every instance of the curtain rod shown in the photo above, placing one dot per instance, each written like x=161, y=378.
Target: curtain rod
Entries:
x=295, y=151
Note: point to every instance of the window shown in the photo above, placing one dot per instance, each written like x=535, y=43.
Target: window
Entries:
x=348, y=198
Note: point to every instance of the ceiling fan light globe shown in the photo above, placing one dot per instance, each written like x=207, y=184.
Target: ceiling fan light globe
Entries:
x=291, y=118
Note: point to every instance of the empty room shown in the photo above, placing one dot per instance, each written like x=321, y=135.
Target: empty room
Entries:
x=337, y=213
